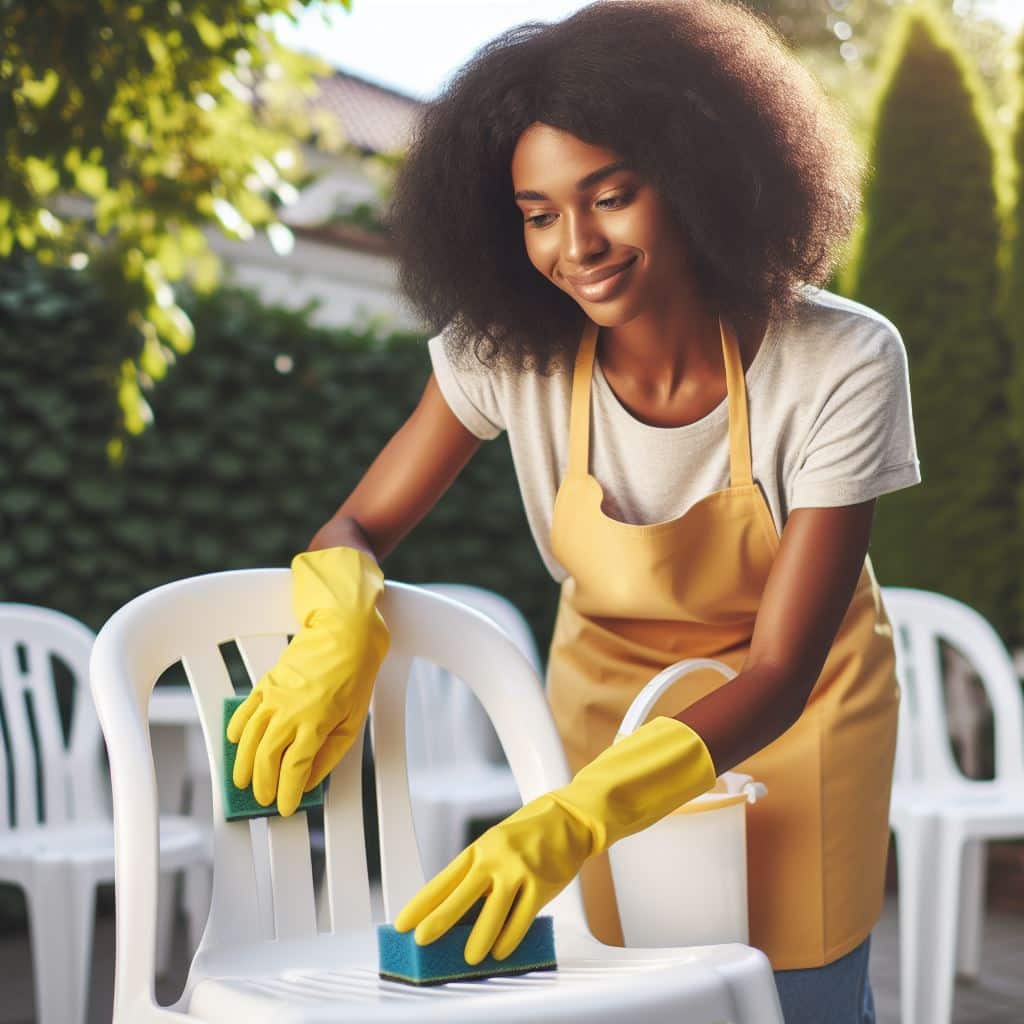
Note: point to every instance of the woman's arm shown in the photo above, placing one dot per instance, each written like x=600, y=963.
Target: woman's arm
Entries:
x=290, y=737
x=404, y=482
x=805, y=598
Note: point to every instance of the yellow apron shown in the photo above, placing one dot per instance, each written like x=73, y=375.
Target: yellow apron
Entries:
x=640, y=597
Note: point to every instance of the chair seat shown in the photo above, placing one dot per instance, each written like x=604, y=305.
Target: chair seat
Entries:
x=92, y=842
x=967, y=802
x=334, y=977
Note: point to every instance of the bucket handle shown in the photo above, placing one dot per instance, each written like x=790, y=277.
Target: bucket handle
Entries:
x=645, y=700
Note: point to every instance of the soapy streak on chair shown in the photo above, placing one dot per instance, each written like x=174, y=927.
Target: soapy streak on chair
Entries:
x=942, y=820
x=60, y=857
x=269, y=963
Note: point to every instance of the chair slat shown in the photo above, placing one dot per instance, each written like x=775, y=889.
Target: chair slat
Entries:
x=234, y=910
x=53, y=755
x=291, y=871
x=291, y=881
x=19, y=736
x=347, y=877
x=400, y=866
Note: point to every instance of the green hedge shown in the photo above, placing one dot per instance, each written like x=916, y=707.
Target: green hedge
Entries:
x=241, y=465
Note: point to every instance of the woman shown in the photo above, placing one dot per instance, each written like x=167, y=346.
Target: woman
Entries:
x=617, y=225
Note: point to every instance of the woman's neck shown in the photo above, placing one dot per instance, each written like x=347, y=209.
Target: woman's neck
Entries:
x=671, y=384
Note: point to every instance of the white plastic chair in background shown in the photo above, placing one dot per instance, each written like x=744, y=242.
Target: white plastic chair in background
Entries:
x=264, y=963
x=56, y=840
x=457, y=769
x=952, y=815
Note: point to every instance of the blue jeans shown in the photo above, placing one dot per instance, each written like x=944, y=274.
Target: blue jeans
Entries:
x=838, y=993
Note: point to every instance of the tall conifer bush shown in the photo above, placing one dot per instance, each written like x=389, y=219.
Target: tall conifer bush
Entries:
x=1013, y=294
x=927, y=258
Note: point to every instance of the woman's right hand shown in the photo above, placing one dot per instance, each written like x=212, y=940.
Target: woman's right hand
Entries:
x=303, y=715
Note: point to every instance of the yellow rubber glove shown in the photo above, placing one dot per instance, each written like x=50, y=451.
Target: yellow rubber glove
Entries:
x=303, y=715
x=526, y=860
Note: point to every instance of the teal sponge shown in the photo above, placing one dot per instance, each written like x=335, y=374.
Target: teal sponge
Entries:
x=401, y=959
x=240, y=803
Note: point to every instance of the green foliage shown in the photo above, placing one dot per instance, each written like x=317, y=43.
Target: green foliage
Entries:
x=1012, y=300
x=928, y=259
x=841, y=41
x=257, y=437
x=129, y=125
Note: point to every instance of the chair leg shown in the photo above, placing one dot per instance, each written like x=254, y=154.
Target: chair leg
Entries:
x=165, y=918
x=61, y=908
x=948, y=864
x=972, y=909
x=914, y=841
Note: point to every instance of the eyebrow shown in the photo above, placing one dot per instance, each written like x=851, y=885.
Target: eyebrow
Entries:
x=584, y=183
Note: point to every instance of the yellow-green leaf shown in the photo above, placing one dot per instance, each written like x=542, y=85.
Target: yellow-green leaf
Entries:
x=39, y=92
x=170, y=257
x=155, y=45
x=42, y=176
x=152, y=359
x=91, y=179
x=210, y=34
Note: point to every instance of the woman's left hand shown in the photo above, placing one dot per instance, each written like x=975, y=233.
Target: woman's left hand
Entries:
x=531, y=856
x=519, y=865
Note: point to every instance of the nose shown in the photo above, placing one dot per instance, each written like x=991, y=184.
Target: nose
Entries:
x=582, y=240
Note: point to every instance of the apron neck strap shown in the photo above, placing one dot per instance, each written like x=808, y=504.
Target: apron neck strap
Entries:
x=739, y=429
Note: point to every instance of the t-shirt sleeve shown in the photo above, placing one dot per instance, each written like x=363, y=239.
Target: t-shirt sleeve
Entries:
x=861, y=440
x=470, y=393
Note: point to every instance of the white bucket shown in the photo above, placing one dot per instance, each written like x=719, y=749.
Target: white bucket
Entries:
x=683, y=880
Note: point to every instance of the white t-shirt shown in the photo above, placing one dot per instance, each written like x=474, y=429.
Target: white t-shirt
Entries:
x=830, y=424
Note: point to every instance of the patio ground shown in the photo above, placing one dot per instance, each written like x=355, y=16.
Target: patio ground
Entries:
x=998, y=998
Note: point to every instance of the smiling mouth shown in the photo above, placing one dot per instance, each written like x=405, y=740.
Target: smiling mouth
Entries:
x=602, y=289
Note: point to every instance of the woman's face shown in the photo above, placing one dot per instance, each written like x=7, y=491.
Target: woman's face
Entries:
x=585, y=214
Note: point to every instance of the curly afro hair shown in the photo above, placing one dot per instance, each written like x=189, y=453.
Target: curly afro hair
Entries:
x=706, y=101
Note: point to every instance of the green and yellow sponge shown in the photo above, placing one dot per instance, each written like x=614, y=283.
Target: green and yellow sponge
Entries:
x=441, y=961
x=240, y=803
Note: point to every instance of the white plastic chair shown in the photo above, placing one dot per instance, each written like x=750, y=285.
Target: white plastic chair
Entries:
x=953, y=816
x=269, y=963
x=56, y=840
x=458, y=770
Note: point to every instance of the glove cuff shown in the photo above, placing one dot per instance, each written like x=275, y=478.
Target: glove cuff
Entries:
x=639, y=780
x=343, y=580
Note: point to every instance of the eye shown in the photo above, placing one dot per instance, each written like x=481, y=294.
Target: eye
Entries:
x=622, y=197
x=539, y=216
x=618, y=200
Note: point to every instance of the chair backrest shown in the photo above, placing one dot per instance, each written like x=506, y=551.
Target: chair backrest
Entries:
x=920, y=619
x=447, y=726
x=42, y=779
x=187, y=620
